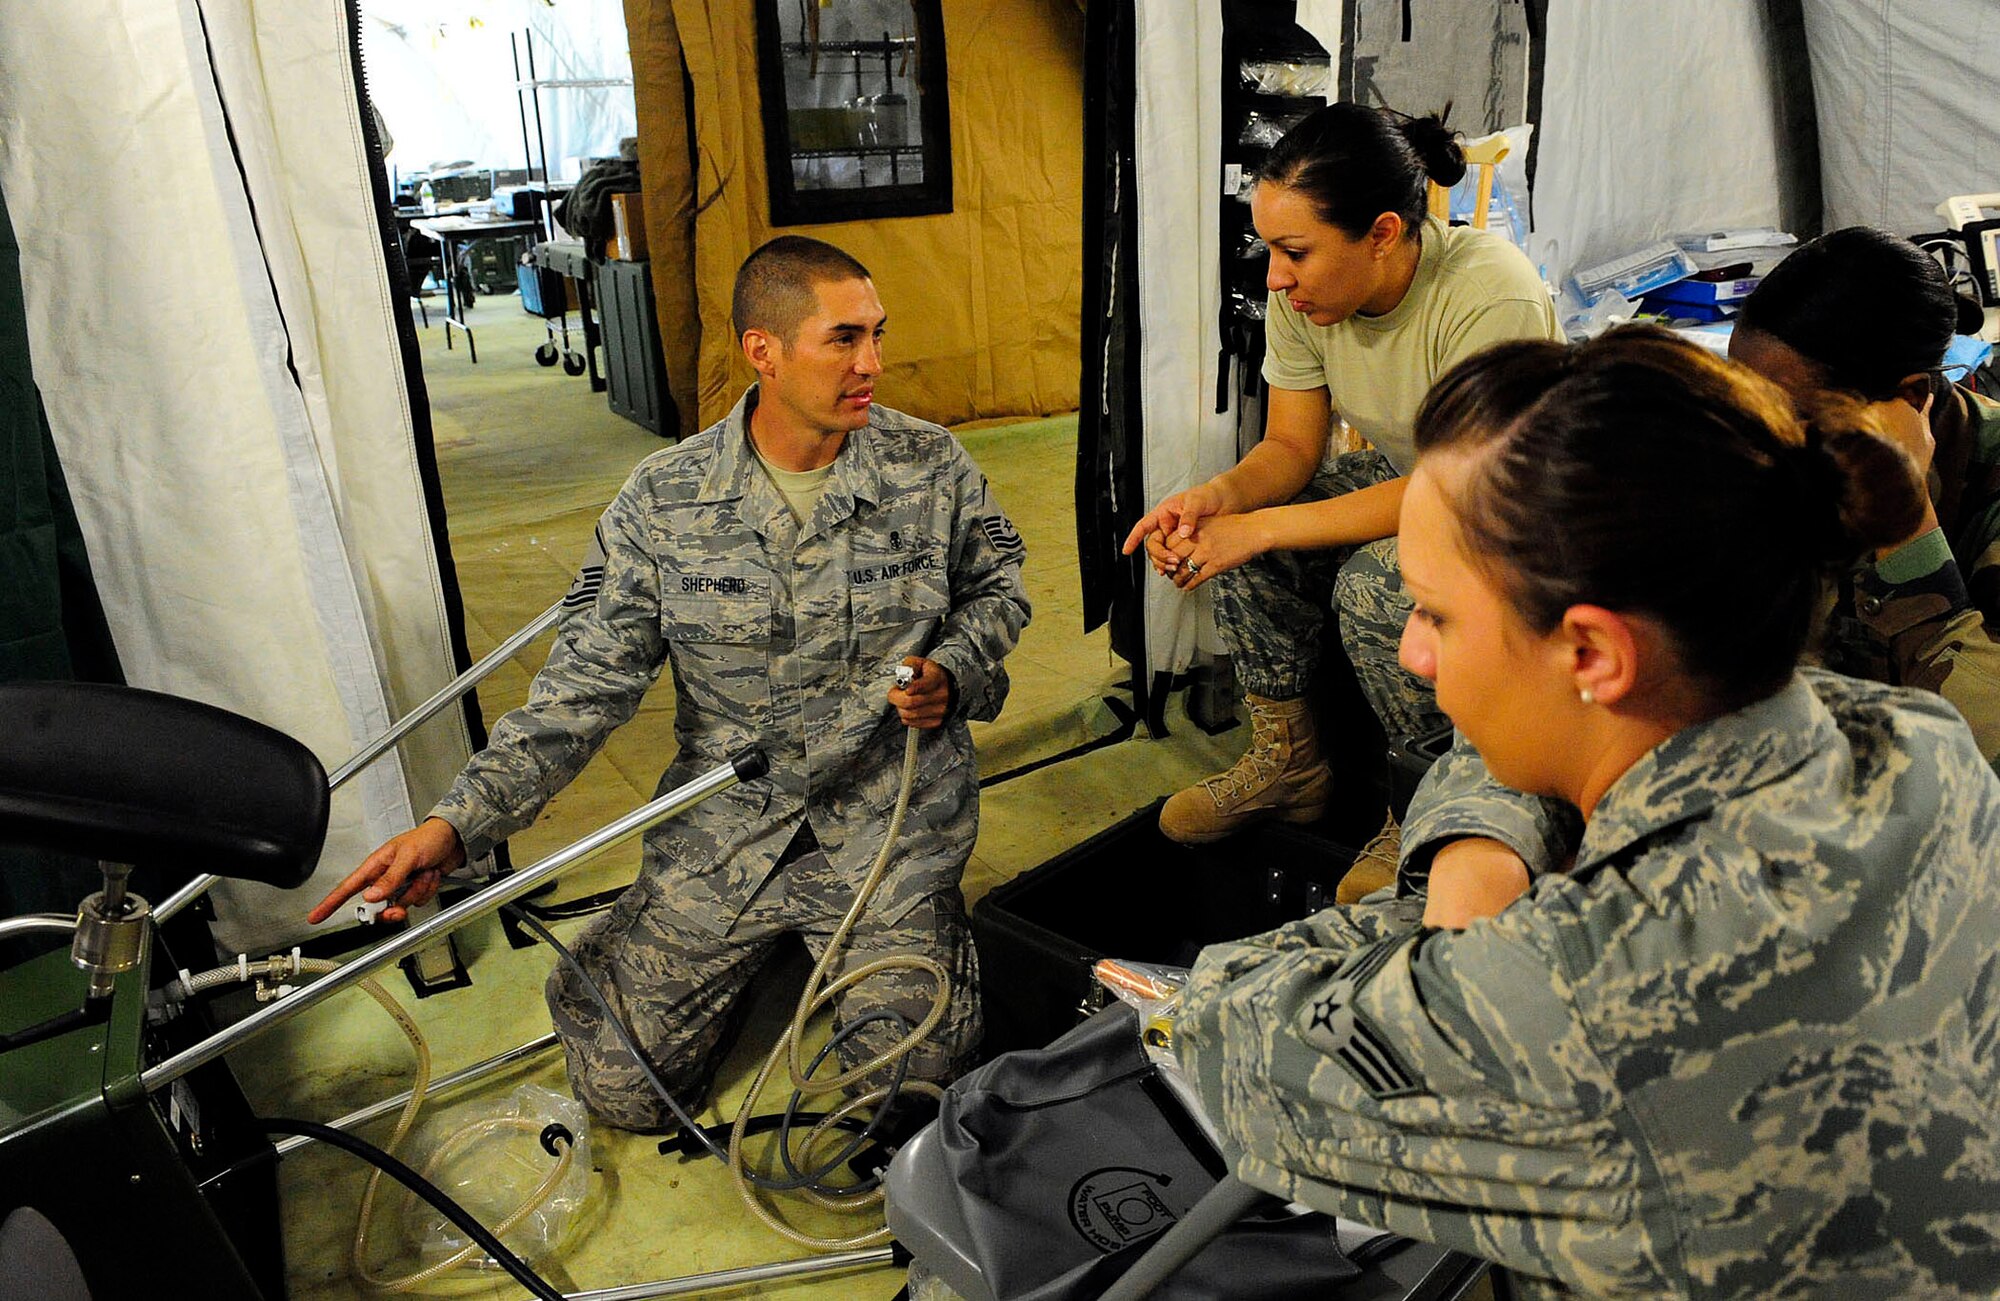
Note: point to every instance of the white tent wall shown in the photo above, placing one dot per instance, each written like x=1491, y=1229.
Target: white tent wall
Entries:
x=1657, y=119
x=441, y=73
x=1178, y=140
x=212, y=334
x=1907, y=111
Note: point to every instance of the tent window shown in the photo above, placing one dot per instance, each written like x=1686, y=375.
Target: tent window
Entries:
x=855, y=119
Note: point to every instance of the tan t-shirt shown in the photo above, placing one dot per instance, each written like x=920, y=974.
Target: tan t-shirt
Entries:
x=1472, y=289
x=800, y=488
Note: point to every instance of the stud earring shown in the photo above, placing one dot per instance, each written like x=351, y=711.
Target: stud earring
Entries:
x=1587, y=696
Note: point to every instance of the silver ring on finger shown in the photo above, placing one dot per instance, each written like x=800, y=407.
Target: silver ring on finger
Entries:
x=1194, y=569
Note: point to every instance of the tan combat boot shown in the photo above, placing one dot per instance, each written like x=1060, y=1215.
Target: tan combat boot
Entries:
x=1374, y=867
x=1281, y=775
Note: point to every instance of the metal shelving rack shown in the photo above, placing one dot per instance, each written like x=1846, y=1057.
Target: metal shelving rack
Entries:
x=888, y=47
x=862, y=52
x=535, y=156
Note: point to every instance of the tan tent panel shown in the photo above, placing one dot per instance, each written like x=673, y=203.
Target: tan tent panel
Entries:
x=983, y=301
x=660, y=99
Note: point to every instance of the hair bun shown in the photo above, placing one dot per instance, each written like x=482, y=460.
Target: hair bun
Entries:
x=1971, y=316
x=1871, y=484
x=1436, y=146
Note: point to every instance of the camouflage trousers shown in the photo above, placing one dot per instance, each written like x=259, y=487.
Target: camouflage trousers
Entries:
x=679, y=988
x=1272, y=612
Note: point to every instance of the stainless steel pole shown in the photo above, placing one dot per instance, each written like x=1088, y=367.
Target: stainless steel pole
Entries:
x=381, y=745
x=747, y=766
x=452, y=690
x=873, y=1258
x=37, y=924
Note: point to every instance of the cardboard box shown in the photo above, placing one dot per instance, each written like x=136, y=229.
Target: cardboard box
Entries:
x=628, y=224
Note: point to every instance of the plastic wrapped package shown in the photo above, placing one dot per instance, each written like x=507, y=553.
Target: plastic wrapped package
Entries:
x=1633, y=274
x=1154, y=991
x=1296, y=77
x=1265, y=127
x=496, y=1167
x=1582, y=320
x=1251, y=246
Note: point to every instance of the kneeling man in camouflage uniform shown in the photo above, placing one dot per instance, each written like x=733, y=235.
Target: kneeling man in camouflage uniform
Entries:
x=784, y=562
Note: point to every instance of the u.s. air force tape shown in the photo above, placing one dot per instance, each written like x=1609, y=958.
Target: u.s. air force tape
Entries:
x=1335, y=1027
x=1001, y=533
x=589, y=577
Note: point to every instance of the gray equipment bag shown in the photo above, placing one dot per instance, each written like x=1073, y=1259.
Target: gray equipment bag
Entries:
x=1049, y=1172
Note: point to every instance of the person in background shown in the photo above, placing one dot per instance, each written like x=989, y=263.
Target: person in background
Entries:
x=1370, y=301
x=1744, y=1046
x=783, y=561
x=1864, y=312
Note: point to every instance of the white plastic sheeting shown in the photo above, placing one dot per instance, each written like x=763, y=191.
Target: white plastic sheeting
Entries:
x=1657, y=119
x=1178, y=140
x=212, y=334
x=1907, y=111
x=441, y=72
x=1325, y=20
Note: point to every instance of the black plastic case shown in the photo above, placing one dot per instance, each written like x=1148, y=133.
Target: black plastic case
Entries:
x=1129, y=892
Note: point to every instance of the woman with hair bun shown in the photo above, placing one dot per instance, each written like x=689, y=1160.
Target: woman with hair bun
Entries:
x=1745, y=1046
x=1370, y=301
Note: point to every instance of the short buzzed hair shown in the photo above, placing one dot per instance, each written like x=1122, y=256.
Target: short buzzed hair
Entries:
x=774, y=287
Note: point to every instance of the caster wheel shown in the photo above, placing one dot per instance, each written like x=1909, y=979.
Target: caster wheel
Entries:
x=573, y=364
x=546, y=355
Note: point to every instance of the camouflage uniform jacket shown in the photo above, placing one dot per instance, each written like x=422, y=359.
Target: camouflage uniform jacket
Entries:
x=1928, y=614
x=1748, y=1047
x=781, y=636
x=1458, y=798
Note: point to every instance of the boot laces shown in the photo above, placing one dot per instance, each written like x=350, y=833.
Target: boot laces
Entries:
x=1387, y=844
x=1258, y=766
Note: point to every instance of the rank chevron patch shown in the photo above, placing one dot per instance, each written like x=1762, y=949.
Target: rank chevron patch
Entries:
x=1333, y=1026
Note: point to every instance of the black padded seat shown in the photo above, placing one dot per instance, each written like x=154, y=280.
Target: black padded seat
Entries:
x=132, y=776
